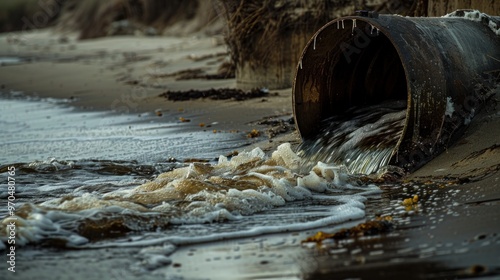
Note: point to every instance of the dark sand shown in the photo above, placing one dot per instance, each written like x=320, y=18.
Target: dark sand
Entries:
x=453, y=232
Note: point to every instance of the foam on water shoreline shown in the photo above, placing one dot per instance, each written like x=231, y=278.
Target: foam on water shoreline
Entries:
x=230, y=190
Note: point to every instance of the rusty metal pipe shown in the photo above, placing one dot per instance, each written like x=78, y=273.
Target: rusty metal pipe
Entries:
x=435, y=64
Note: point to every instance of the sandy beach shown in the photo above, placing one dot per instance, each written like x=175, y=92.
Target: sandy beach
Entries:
x=454, y=232
x=127, y=75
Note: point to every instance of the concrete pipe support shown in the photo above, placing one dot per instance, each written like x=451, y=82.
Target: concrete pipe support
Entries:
x=435, y=64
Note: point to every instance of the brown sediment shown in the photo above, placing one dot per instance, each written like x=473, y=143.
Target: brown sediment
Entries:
x=99, y=229
x=254, y=133
x=153, y=193
x=105, y=227
x=239, y=184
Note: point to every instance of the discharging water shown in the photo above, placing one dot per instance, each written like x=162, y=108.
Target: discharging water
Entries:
x=91, y=179
x=362, y=139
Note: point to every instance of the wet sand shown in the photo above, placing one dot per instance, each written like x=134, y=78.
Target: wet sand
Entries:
x=127, y=75
x=454, y=231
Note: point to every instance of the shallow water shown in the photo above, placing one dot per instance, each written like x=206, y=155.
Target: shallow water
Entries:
x=132, y=213
x=10, y=60
x=37, y=129
x=96, y=179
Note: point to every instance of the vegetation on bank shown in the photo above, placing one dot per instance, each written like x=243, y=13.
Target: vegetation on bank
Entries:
x=96, y=18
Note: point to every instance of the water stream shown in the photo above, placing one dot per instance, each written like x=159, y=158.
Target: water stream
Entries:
x=362, y=139
x=95, y=179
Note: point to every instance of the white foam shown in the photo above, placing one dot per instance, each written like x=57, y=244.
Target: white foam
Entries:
x=39, y=225
x=286, y=157
x=312, y=182
x=247, y=184
x=349, y=212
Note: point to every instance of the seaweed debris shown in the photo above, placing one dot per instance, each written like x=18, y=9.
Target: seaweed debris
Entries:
x=215, y=94
x=276, y=125
x=374, y=227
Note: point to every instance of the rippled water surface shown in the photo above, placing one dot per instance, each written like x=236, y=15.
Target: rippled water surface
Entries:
x=96, y=179
x=44, y=129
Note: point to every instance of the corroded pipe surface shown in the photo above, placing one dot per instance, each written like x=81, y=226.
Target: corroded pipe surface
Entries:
x=443, y=67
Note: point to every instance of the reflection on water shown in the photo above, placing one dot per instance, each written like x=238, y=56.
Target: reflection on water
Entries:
x=92, y=179
x=10, y=60
x=44, y=129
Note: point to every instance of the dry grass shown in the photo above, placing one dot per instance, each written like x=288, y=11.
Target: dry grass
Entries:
x=246, y=18
x=264, y=23
x=90, y=17
x=94, y=17
x=256, y=23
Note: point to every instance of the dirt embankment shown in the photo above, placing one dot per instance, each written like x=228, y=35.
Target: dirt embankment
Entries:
x=94, y=18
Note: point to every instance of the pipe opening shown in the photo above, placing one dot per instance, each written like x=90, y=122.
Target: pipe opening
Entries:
x=361, y=76
x=431, y=66
x=358, y=67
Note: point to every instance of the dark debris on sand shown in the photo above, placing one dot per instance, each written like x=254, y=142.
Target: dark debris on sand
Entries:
x=276, y=125
x=197, y=73
x=215, y=94
x=374, y=227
